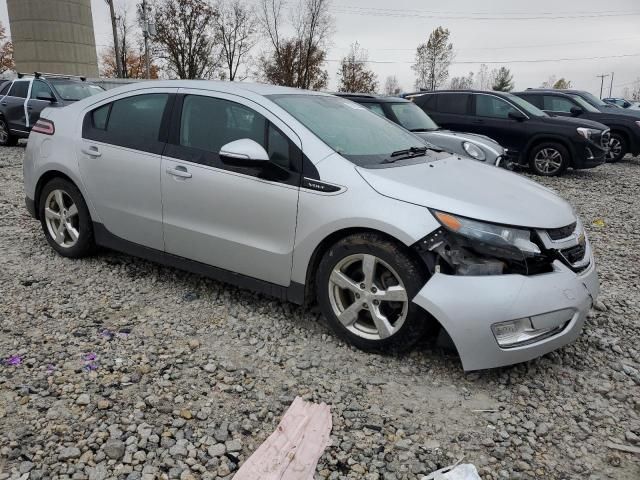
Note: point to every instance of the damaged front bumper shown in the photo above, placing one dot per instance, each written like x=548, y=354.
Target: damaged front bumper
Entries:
x=478, y=312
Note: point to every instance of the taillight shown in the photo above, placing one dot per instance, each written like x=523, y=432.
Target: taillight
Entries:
x=44, y=126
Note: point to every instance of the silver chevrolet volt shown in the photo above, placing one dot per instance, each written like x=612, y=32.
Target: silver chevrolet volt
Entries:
x=306, y=196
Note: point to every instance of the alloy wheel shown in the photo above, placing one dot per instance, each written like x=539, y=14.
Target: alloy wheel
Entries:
x=548, y=161
x=61, y=218
x=615, y=147
x=368, y=296
x=4, y=132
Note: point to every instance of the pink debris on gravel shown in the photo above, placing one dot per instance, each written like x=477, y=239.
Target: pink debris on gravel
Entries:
x=293, y=450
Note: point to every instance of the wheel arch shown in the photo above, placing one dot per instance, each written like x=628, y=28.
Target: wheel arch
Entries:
x=45, y=178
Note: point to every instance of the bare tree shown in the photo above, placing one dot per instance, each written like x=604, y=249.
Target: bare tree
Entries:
x=6, y=52
x=391, y=85
x=237, y=29
x=296, y=61
x=549, y=82
x=462, y=83
x=354, y=74
x=483, y=78
x=185, y=37
x=433, y=59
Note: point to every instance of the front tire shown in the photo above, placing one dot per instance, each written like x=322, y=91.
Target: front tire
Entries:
x=6, y=139
x=65, y=219
x=364, y=287
x=617, y=148
x=549, y=159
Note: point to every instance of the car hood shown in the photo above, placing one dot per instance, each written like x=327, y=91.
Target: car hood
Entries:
x=577, y=121
x=480, y=139
x=610, y=109
x=471, y=189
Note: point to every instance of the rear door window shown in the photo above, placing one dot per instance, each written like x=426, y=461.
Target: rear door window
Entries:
x=5, y=89
x=455, y=103
x=536, y=100
x=375, y=108
x=19, y=89
x=493, y=107
x=132, y=122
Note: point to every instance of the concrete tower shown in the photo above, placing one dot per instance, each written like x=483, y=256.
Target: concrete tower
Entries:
x=53, y=36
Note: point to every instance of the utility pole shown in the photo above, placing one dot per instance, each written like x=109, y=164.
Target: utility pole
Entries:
x=148, y=30
x=611, y=84
x=602, y=77
x=116, y=42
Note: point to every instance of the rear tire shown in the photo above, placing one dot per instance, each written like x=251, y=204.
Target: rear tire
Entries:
x=549, y=159
x=65, y=219
x=365, y=284
x=6, y=139
x=618, y=148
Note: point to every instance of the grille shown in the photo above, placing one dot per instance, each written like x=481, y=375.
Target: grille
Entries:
x=605, y=138
x=562, y=232
x=574, y=254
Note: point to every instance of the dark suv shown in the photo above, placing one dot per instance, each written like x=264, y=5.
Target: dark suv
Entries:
x=625, y=129
x=549, y=145
x=22, y=100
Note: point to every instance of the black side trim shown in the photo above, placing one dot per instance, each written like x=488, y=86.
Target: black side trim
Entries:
x=293, y=293
x=319, y=186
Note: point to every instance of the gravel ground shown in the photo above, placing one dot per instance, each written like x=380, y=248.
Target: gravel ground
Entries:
x=116, y=367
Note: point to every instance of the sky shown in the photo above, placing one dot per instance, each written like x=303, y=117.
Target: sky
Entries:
x=574, y=39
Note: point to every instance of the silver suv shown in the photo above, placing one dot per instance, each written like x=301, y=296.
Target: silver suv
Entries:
x=304, y=195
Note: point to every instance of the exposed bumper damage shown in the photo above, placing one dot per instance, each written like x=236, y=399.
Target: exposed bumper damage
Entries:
x=497, y=319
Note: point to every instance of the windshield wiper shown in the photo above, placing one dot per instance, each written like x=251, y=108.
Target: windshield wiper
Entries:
x=406, y=153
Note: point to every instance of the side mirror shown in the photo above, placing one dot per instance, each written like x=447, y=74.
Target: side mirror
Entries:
x=626, y=104
x=517, y=115
x=47, y=98
x=244, y=152
x=575, y=111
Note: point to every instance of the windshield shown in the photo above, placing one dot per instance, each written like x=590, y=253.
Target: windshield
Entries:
x=72, y=91
x=528, y=108
x=412, y=117
x=592, y=99
x=586, y=106
x=350, y=129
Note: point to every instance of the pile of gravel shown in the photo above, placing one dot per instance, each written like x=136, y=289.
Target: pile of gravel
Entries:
x=118, y=368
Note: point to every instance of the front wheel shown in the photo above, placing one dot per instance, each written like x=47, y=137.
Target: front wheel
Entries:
x=549, y=159
x=617, y=148
x=6, y=139
x=365, y=285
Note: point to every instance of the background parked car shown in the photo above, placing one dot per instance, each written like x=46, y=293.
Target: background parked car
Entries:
x=625, y=129
x=620, y=102
x=414, y=119
x=593, y=100
x=22, y=100
x=549, y=145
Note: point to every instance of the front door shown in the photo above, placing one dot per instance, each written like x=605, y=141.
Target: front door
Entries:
x=34, y=105
x=120, y=156
x=237, y=218
x=491, y=118
x=14, y=106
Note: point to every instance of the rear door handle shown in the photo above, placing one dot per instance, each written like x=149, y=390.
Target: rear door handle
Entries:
x=92, y=151
x=179, y=171
x=4, y=104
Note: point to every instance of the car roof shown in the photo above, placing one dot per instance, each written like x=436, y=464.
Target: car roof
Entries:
x=371, y=97
x=554, y=91
x=489, y=92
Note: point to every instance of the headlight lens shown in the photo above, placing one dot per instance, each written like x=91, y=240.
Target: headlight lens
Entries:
x=638, y=123
x=508, y=238
x=588, y=132
x=473, y=150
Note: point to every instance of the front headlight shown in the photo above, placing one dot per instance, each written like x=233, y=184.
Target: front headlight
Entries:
x=510, y=240
x=473, y=150
x=588, y=132
x=638, y=123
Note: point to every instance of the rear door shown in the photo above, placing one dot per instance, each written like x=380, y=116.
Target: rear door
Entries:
x=34, y=105
x=558, y=105
x=452, y=110
x=491, y=118
x=14, y=106
x=120, y=157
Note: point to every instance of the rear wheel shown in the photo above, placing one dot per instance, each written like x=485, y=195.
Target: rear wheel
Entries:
x=365, y=284
x=549, y=159
x=617, y=148
x=65, y=219
x=6, y=139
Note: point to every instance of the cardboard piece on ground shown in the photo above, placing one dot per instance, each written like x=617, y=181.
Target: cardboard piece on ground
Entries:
x=292, y=451
x=465, y=471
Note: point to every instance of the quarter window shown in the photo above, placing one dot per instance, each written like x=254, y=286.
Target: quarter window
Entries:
x=455, y=103
x=19, y=89
x=5, y=89
x=557, y=104
x=40, y=89
x=493, y=107
x=132, y=122
x=375, y=108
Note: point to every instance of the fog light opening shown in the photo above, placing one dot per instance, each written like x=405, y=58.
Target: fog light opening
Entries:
x=515, y=333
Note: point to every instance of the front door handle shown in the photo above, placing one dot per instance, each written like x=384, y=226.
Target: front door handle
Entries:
x=179, y=171
x=92, y=151
x=4, y=104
